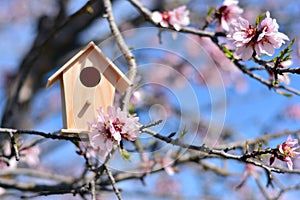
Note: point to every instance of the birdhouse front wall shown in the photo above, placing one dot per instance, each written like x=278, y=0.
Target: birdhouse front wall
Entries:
x=83, y=96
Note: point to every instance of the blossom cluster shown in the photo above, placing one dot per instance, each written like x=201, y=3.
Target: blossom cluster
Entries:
x=261, y=39
x=286, y=151
x=177, y=18
x=111, y=128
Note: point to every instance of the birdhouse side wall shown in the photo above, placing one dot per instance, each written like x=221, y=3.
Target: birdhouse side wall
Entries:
x=69, y=86
x=63, y=103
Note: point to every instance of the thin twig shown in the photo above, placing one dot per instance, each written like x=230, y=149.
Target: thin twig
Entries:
x=125, y=50
x=113, y=182
x=261, y=187
x=151, y=124
x=93, y=189
x=14, y=144
x=36, y=174
x=263, y=138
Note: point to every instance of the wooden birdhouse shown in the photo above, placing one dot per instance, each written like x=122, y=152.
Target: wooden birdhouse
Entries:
x=87, y=81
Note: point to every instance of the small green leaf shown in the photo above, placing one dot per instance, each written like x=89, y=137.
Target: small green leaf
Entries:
x=182, y=133
x=89, y=10
x=259, y=146
x=259, y=18
x=125, y=155
x=131, y=109
x=285, y=53
x=288, y=95
x=247, y=146
x=275, y=82
x=210, y=11
x=227, y=52
x=288, y=57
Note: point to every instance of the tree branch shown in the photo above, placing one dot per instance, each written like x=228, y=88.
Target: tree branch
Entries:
x=245, y=158
x=54, y=135
x=125, y=50
x=113, y=182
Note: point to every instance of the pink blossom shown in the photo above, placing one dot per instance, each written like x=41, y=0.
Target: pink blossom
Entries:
x=112, y=127
x=262, y=40
x=244, y=34
x=161, y=18
x=227, y=13
x=177, y=18
x=282, y=78
x=287, y=150
x=269, y=38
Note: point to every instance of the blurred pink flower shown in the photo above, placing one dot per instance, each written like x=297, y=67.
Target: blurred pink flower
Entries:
x=288, y=151
x=262, y=40
x=93, y=153
x=227, y=13
x=12, y=163
x=231, y=75
x=177, y=18
x=2, y=191
x=6, y=148
x=167, y=162
x=250, y=170
x=31, y=156
x=293, y=111
x=165, y=186
x=136, y=97
x=146, y=164
x=112, y=127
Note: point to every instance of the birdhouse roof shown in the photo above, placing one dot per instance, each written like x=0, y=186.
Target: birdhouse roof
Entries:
x=122, y=83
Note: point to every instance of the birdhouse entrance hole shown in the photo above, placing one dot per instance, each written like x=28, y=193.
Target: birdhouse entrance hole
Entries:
x=90, y=76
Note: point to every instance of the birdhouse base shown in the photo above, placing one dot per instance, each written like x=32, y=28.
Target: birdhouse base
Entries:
x=77, y=131
x=80, y=132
